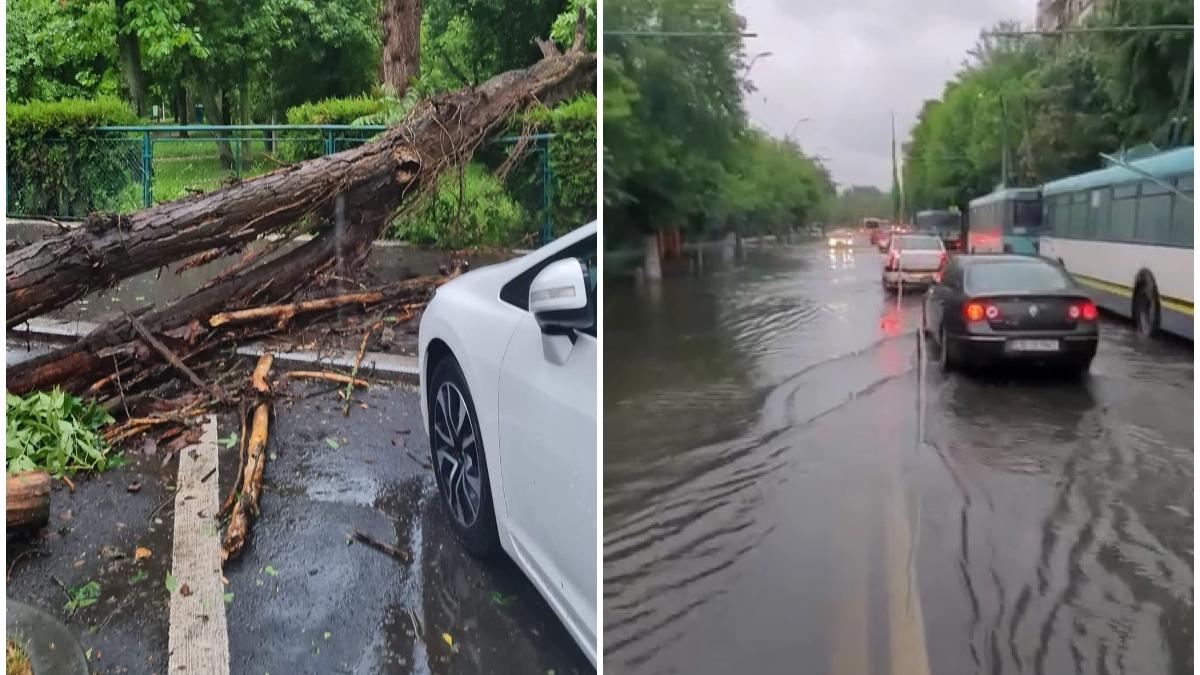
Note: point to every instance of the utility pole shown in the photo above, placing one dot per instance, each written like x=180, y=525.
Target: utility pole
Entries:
x=1004, y=172
x=897, y=186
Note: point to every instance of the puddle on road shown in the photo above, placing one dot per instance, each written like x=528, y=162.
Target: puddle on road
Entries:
x=764, y=430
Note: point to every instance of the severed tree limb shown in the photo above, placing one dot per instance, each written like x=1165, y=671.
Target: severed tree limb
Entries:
x=362, y=349
x=215, y=391
x=245, y=509
x=328, y=377
x=285, y=312
x=27, y=500
x=380, y=546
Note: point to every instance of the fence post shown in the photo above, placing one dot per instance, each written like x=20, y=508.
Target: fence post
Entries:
x=147, y=181
x=547, y=195
x=237, y=159
x=329, y=141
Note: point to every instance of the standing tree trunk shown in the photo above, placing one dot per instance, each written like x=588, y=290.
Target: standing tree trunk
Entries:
x=401, y=59
x=129, y=51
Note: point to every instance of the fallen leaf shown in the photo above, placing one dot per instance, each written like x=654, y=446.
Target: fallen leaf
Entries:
x=185, y=590
x=447, y=639
x=133, y=487
x=332, y=442
x=271, y=570
x=170, y=583
x=138, y=576
x=327, y=634
x=141, y=552
x=229, y=597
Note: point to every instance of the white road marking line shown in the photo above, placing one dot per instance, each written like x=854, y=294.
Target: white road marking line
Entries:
x=198, y=641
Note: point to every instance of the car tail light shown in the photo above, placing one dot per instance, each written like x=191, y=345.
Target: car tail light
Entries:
x=1085, y=310
x=975, y=310
x=944, y=259
x=893, y=260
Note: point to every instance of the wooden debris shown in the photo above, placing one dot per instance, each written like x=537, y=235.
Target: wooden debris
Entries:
x=27, y=500
x=328, y=377
x=174, y=360
x=283, y=313
x=246, y=508
x=362, y=349
x=380, y=546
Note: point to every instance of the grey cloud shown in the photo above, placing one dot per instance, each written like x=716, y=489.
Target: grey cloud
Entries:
x=848, y=65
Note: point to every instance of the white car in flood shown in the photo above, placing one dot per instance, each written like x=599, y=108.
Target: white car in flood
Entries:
x=508, y=386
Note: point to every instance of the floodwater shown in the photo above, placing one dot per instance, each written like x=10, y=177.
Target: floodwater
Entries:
x=789, y=487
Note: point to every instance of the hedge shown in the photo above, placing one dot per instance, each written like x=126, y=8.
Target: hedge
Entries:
x=476, y=212
x=309, y=144
x=572, y=158
x=58, y=165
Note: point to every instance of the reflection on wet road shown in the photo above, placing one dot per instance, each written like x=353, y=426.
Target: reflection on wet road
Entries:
x=789, y=488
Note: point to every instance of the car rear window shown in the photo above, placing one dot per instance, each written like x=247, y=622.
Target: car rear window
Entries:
x=919, y=243
x=1023, y=276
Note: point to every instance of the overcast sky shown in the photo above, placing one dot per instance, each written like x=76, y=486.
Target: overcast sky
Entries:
x=847, y=64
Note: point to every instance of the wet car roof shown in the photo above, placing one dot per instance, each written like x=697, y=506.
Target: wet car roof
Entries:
x=992, y=258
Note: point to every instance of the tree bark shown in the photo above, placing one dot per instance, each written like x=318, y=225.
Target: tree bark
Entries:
x=400, y=61
x=372, y=181
x=129, y=52
x=27, y=499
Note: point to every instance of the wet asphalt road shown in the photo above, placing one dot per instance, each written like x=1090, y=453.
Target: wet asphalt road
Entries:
x=305, y=599
x=789, y=488
x=333, y=606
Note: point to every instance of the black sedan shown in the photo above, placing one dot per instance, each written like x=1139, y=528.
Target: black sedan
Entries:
x=989, y=309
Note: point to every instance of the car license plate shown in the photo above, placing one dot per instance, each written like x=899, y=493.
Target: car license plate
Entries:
x=1033, y=345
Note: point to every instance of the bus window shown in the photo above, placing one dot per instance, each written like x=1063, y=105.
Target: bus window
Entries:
x=1182, y=221
x=1101, y=212
x=1124, y=213
x=1154, y=214
x=1062, y=215
x=1027, y=214
x=1079, y=215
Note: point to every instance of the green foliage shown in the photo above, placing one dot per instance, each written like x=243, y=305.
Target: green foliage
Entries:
x=563, y=31
x=678, y=152
x=861, y=201
x=55, y=432
x=1056, y=104
x=309, y=144
x=467, y=42
x=57, y=50
x=58, y=166
x=572, y=157
x=470, y=209
x=82, y=596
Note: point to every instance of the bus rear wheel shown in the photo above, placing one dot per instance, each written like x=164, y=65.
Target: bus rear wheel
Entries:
x=1146, y=308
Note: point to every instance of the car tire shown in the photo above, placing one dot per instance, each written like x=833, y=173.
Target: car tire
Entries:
x=945, y=359
x=1147, y=310
x=459, y=461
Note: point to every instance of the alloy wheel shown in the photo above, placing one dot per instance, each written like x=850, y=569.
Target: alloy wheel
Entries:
x=456, y=451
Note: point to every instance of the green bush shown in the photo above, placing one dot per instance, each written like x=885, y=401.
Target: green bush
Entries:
x=572, y=158
x=55, y=432
x=58, y=165
x=302, y=145
x=477, y=212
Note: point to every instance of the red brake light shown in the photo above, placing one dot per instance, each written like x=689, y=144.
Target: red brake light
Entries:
x=1085, y=309
x=974, y=311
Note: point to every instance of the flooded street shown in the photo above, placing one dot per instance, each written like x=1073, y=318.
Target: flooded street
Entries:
x=788, y=487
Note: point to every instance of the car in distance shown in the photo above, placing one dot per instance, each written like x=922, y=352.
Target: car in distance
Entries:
x=508, y=387
x=841, y=238
x=990, y=309
x=913, y=260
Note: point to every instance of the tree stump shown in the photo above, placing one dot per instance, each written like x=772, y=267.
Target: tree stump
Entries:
x=28, y=500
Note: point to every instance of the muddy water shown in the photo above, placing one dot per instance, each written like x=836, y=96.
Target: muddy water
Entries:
x=789, y=487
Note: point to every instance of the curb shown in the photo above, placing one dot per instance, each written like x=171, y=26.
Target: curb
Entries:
x=402, y=368
x=50, y=645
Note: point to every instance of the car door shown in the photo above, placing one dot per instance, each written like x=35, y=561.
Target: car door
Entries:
x=940, y=295
x=547, y=430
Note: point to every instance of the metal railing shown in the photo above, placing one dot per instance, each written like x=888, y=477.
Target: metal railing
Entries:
x=140, y=165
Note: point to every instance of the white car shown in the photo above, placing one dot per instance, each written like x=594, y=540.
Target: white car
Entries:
x=508, y=383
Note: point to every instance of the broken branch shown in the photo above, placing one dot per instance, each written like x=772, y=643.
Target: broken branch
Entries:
x=328, y=377
x=174, y=360
x=380, y=546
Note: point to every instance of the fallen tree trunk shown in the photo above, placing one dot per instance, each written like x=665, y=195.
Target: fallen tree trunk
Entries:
x=378, y=176
x=364, y=187
x=27, y=500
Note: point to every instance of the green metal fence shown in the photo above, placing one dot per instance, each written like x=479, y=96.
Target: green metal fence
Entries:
x=145, y=165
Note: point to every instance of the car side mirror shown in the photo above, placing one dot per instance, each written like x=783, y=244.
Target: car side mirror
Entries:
x=558, y=298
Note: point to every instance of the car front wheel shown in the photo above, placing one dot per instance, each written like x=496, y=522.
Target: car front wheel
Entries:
x=459, y=463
